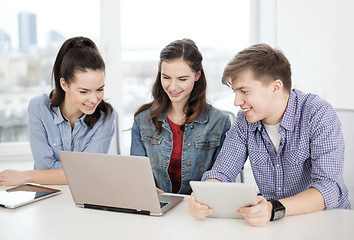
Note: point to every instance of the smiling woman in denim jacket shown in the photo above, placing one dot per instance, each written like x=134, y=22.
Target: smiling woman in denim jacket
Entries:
x=179, y=131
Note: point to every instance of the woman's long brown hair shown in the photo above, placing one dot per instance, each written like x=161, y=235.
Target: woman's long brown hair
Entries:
x=186, y=50
x=77, y=54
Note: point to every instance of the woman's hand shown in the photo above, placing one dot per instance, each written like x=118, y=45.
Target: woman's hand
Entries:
x=159, y=191
x=13, y=177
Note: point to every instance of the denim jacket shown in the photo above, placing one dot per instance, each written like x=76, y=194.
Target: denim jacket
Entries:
x=202, y=141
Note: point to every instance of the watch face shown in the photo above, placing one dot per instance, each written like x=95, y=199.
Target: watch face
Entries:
x=279, y=214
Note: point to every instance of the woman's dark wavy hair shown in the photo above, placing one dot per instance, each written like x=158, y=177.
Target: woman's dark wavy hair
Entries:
x=186, y=50
x=77, y=54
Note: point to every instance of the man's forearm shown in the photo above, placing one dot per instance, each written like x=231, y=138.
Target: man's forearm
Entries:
x=310, y=200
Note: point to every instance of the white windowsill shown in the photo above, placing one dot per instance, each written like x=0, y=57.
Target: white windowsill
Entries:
x=15, y=151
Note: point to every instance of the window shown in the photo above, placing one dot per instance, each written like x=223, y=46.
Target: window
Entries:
x=31, y=33
x=219, y=28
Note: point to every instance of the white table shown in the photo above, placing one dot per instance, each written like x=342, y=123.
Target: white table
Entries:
x=58, y=218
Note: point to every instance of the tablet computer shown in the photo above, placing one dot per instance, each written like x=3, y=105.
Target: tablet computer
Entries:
x=25, y=194
x=225, y=198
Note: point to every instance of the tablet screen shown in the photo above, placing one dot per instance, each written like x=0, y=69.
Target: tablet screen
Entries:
x=24, y=194
x=224, y=198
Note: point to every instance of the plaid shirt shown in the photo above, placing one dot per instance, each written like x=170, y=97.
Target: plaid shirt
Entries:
x=311, y=152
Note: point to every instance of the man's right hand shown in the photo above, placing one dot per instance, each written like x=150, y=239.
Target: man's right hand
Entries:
x=196, y=209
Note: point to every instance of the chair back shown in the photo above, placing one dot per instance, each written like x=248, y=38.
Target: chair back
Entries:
x=346, y=117
x=114, y=147
x=231, y=115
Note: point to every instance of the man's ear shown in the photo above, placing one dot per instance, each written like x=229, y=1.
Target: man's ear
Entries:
x=277, y=85
x=64, y=84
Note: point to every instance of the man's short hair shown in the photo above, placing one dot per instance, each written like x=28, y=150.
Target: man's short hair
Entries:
x=266, y=63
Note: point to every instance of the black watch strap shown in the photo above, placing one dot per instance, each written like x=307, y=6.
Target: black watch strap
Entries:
x=278, y=211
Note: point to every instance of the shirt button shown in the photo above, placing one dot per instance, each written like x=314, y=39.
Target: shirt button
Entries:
x=189, y=144
x=297, y=161
x=279, y=188
x=278, y=165
x=188, y=164
x=253, y=161
x=192, y=127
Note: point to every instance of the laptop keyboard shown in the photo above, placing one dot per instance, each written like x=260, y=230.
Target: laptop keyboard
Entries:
x=162, y=204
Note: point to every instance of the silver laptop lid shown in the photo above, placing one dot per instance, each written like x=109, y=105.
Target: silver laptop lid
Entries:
x=115, y=181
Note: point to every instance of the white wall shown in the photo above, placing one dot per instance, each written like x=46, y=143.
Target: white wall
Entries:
x=317, y=37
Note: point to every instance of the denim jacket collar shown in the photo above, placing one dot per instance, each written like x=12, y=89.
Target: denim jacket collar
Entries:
x=202, y=119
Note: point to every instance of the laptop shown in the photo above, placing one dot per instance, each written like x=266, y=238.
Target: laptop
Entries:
x=114, y=183
x=225, y=198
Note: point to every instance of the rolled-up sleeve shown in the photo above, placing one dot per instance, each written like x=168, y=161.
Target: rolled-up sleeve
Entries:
x=327, y=154
x=42, y=152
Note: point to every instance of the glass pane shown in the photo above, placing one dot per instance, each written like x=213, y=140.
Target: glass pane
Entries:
x=31, y=33
x=219, y=28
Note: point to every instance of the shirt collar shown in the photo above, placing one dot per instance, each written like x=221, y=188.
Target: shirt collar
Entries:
x=257, y=125
x=59, y=118
x=82, y=120
x=287, y=121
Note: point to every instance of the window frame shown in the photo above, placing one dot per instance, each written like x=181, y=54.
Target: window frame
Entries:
x=110, y=48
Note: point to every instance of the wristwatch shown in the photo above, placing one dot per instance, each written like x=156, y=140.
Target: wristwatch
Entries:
x=278, y=211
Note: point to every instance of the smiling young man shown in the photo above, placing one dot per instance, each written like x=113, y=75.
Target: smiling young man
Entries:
x=293, y=140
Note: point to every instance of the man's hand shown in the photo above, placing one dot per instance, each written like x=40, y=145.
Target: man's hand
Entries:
x=258, y=215
x=196, y=209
